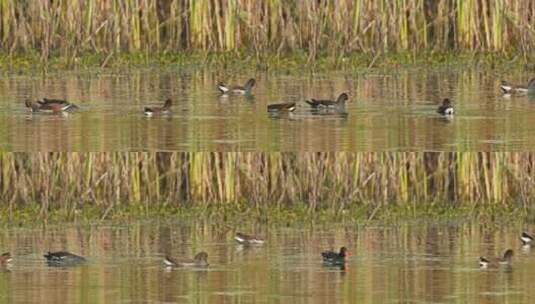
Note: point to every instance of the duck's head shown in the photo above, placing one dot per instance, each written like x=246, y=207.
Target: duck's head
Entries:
x=344, y=252
x=446, y=102
x=343, y=98
x=201, y=257
x=250, y=83
x=6, y=257
x=168, y=103
x=34, y=106
x=508, y=255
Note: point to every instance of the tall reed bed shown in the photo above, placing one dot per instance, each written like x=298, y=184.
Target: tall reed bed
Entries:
x=312, y=180
x=70, y=27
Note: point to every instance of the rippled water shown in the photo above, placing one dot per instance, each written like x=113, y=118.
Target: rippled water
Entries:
x=388, y=112
x=406, y=263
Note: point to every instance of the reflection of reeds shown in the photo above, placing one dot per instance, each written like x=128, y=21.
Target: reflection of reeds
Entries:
x=317, y=180
x=335, y=27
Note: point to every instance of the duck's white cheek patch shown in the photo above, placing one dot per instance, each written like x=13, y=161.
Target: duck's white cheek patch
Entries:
x=167, y=262
x=506, y=88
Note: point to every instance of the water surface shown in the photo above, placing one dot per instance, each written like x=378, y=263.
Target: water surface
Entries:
x=389, y=111
x=404, y=263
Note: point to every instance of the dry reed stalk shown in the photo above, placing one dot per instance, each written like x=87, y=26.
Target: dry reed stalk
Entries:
x=315, y=180
x=334, y=27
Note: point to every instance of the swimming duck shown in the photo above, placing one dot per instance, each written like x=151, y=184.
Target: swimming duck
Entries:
x=52, y=100
x=237, y=90
x=326, y=103
x=446, y=108
x=48, y=105
x=246, y=239
x=526, y=239
x=5, y=258
x=512, y=89
x=507, y=257
x=281, y=107
x=63, y=258
x=163, y=110
x=332, y=257
x=505, y=260
x=200, y=260
x=483, y=262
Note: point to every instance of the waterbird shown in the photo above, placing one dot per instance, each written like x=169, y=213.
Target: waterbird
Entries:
x=335, y=258
x=327, y=103
x=507, y=257
x=48, y=105
x=513, y=89
x=446, y=108
x=200, y=260
x=246, y=239
x=163, y=110
x=5, y=258
x=505, y=260
x=237, y=90
x=63, y=258
x=526, y=239
x=281, y=107
x=483, y=262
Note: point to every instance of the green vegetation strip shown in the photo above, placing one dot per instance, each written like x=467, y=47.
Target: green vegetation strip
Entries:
x=291, y=217
x=289, y=63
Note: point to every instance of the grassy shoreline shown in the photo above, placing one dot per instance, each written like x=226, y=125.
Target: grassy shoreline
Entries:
x=288, y=217
x=294, y=62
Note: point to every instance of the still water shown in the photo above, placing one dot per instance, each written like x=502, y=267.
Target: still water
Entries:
x=403, y=263
x=390, y=111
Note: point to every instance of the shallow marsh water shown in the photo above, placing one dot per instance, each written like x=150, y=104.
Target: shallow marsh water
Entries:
x=392, y=111
x=405, y=263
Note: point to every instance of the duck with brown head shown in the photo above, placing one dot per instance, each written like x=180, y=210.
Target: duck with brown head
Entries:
x=200, y=260
x=163, y=110
x=446, y=109
x=237, y=90
x=517, y=89
x=5, y=259
x=505, y=260
x=50, y=106
x=335, y=258
x=328, y=103
x=507, y=257
x=247, y=239
x=63, y=259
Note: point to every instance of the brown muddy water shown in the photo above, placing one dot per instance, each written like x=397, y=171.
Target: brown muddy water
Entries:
x=405, y=263
x=392, y=111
